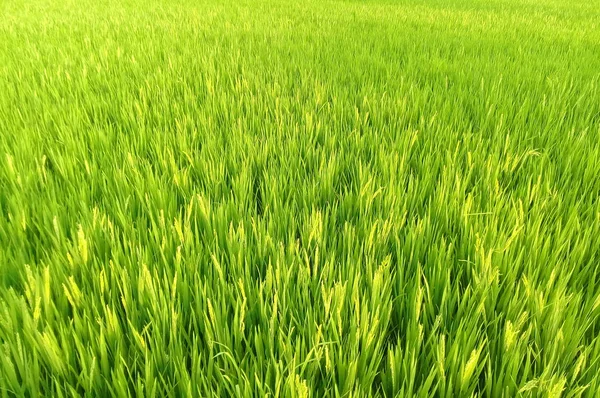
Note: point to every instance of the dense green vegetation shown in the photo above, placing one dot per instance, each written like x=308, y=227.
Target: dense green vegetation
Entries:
x=300, y=198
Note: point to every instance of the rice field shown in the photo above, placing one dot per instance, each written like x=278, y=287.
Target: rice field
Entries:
x=284, y=198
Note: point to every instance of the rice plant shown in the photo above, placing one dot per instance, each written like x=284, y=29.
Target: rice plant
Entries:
x=284, y=198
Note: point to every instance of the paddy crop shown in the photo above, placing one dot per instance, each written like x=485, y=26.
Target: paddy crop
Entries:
x=300, y=198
